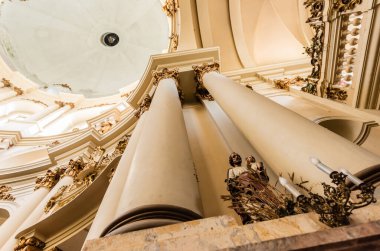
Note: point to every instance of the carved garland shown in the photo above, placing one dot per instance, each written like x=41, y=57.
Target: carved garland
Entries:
x=62, y=104
x=170, y=8
x=315, y=51
x=287, y=82
x=4, y=193
x=199, y=71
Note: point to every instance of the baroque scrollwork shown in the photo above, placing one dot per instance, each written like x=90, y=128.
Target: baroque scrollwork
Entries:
x=170, y=7
x=287, y=82
x=144, y=106
x=50, y=178
x=27, y=243
x=4, y=193
x=344, y=5
x=315, y=51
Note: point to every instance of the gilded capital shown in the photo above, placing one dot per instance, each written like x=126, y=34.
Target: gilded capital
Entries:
x=170, y=7
x=144, y=106
x=165, y=73
x=31, y=243
x=50, y=179
x=201, y=70
x=4, y=193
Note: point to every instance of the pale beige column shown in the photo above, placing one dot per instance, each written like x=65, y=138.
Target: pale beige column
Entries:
x=37, y=213
x=284, y=139
x=161, y=187
x=107, y=209
x=15, y=220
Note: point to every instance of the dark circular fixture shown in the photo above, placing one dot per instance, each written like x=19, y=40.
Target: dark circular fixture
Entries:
x=110, y=39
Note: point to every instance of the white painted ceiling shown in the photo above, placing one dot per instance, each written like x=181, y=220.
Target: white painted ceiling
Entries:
x=59, y=41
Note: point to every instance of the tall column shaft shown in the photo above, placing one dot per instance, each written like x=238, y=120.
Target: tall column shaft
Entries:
x=15, y=220
x=283, y=138
x=107, y=209
x=161, y=187
x=37, y=213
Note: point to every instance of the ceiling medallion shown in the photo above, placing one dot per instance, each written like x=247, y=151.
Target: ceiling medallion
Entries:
x=110, y=39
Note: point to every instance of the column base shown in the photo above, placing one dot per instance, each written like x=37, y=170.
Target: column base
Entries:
x=149, y=217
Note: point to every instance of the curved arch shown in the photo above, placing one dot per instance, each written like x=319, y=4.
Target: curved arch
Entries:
x=353, y=130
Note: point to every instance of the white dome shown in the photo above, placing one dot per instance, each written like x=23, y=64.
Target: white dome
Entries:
x=59, y=41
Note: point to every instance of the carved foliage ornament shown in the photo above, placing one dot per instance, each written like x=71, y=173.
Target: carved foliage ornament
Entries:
x=50, y=179
x=316, y=49
x=170, y=7
x=9, y=84
x=336, y=93
x=4, y=193
x=344, y=5
x=29, y=242
x=62, y=104
x=168, y=73
x=199, y=71
x=174, y=41
x=144, y=106
x=287, y=82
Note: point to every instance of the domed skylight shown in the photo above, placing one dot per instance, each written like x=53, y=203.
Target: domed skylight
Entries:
x=94, y=46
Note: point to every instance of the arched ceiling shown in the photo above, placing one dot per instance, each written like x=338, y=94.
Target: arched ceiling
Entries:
x=59, y=41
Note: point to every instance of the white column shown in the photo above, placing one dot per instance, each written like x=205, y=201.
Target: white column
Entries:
x=283, y=138
x=161, y=181
x=15, y=220
x=107, y=209
x=37, y=213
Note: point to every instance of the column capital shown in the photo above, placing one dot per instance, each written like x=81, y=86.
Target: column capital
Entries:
x=26, y=243
x=144, y=106
x=170, y=7
x=74, y=167
x=50, y=179
x=168, y=73
x=200, y=70
x=165, y=73
x=4, y=193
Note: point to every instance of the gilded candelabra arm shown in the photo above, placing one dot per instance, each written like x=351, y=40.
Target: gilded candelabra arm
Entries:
x=366, y=196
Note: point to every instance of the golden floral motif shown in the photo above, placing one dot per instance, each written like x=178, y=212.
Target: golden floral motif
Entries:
x=201, y=70
x=287, y=82
x=344, y=5
x=174, y=39
x=144, y=106
x=36, y=101
x=170, y=7
x=6, y=82
x=4, y=193
x=50, y=178
x=66, y=86
x=168, y=73
x=62, y=104
x=29, y=244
